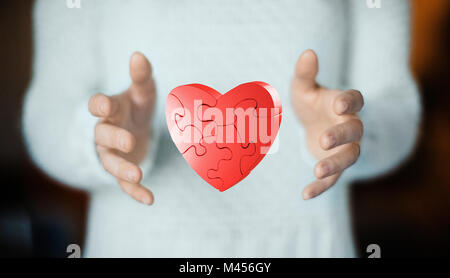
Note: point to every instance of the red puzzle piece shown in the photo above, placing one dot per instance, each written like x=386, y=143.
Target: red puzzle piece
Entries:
x=223, y=137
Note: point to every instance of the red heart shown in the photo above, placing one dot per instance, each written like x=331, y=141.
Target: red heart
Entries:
x=223, y=137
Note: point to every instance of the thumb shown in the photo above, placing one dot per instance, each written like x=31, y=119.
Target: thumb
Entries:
x=306, y=71
x=142, y=85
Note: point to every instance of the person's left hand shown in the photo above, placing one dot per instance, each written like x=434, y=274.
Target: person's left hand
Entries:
x=333, y=129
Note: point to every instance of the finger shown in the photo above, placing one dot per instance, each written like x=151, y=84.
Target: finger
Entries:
x=114, y=137
x=119, y=167
x=306, y=71
x=350, y=101
x=337, y=162
x=101, y=105
x=319, y=186
x=137, y=192
x=141, y=74
x=341, y=134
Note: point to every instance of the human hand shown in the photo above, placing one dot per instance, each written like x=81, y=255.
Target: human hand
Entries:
x=123, y=129
x=333, y=129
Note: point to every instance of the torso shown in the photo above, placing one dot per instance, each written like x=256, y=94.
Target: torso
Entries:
x=220, y=44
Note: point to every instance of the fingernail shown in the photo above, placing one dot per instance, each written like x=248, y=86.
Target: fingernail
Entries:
x=132, y=176
x=324, y=169
x=330, y=141
x=146, y=200
x=103, y=108
x=343, y=106
x=306, y=196
x=122, y=144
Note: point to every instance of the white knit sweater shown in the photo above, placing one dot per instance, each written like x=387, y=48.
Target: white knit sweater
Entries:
x=79, y=52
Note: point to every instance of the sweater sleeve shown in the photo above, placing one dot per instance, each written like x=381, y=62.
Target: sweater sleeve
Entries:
x=58, y=129
x=379, y=67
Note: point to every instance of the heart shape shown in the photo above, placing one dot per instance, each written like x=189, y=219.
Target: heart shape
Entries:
x=223, y=137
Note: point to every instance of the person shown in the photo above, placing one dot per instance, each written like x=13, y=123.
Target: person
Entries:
x=354, y=117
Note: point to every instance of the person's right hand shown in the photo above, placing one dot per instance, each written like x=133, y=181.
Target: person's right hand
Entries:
x=123, y=129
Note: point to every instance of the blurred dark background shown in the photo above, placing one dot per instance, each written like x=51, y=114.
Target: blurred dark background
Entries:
x=407, y=213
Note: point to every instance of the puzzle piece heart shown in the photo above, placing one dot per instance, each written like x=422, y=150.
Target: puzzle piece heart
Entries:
x=223, y=137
